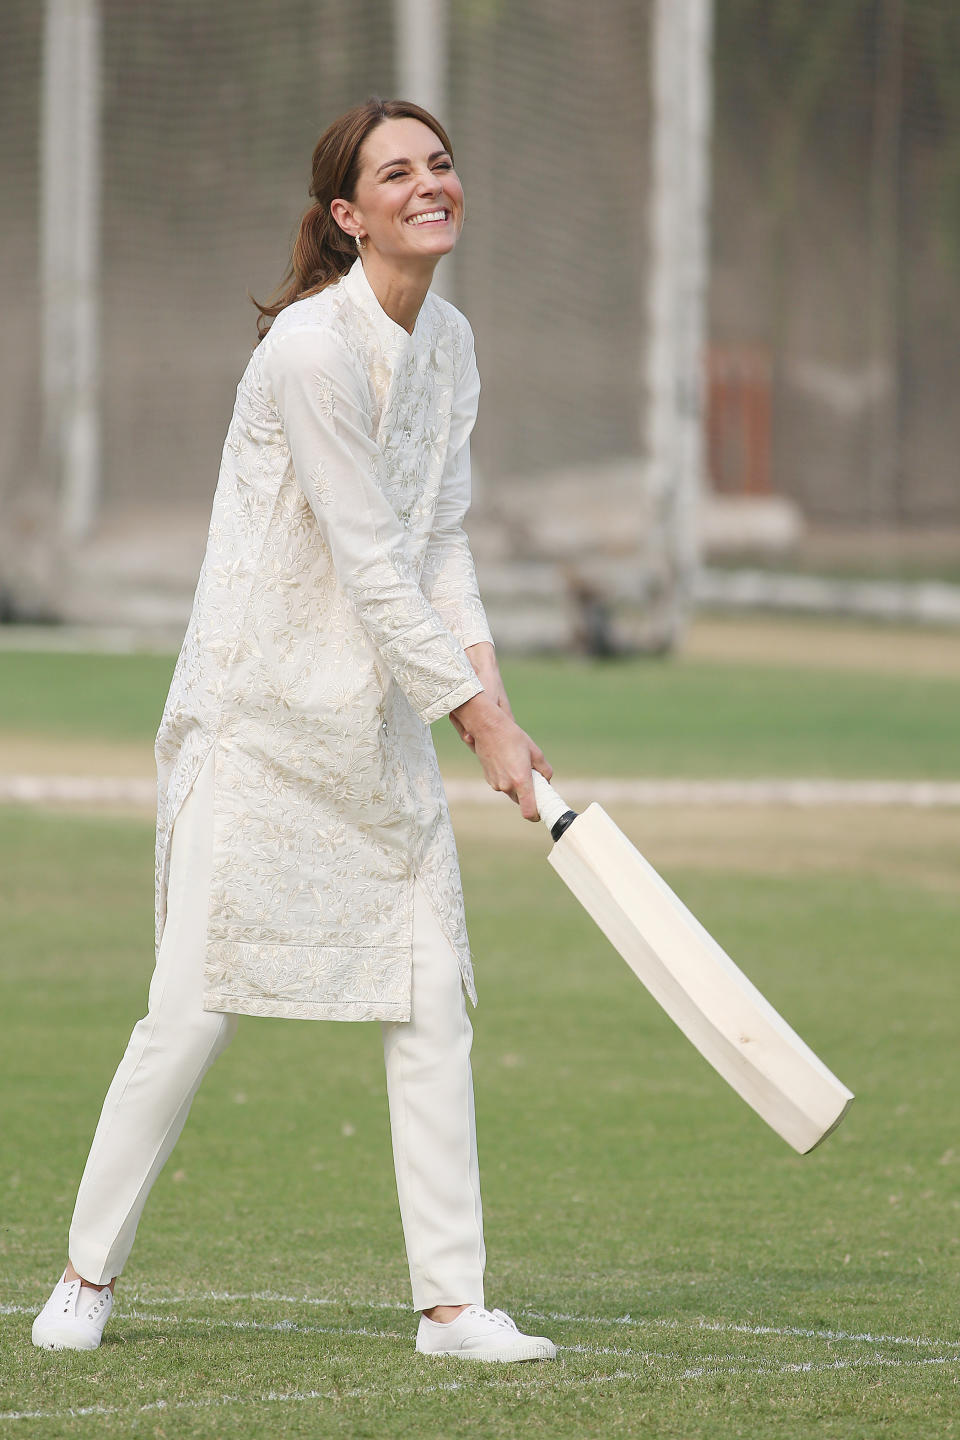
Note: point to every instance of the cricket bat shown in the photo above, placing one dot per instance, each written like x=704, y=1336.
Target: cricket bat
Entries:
x=691, y=977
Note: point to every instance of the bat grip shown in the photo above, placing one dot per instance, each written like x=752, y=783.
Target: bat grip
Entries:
x=554, y=811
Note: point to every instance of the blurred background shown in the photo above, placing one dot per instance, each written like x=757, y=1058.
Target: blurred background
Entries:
x=711, y=259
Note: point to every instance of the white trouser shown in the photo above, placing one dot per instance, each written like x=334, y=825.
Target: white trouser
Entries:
x=429, y=1088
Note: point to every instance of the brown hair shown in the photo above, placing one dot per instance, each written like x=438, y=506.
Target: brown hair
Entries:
x=322, y=252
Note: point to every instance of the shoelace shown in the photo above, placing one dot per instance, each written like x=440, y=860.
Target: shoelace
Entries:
x=503, y=1319
x=93, y=1310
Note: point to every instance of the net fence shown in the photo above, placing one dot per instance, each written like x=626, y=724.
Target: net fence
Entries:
x=836, y=251
x=834, y=285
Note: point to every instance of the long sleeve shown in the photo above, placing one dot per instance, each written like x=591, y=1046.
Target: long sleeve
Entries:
x=449, y=578
x=337, y=462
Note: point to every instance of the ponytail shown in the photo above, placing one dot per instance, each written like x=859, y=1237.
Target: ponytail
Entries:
x=322, y=255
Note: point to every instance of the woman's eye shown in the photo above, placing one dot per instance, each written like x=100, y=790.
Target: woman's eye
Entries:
x=443, y=165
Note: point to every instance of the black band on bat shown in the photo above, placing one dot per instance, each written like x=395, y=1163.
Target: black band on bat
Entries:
x=564, y=823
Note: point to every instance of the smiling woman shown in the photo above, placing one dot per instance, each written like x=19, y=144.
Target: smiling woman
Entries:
x=381, y=182
x=305, y=861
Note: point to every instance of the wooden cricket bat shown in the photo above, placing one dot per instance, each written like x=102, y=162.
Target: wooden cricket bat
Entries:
x=688, y=973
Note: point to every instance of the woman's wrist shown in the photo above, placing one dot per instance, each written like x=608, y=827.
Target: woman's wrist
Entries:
x=478, y=713
x=482, y=657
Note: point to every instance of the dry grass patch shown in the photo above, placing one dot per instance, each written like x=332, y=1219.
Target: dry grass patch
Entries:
x=24, y=754
x=921, y=847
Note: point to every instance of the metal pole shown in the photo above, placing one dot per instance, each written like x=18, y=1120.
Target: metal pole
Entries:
x=677, y=293
x=421, y=28
x=70, y=259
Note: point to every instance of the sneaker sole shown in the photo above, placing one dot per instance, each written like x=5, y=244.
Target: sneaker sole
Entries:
x=64, y=1340
x=535, y=1351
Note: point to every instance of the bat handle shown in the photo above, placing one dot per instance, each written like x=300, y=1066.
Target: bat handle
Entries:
x=554, y=811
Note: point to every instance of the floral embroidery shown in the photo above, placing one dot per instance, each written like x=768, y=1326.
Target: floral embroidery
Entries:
x=325, y=402
x=321, y=485
x=335, y=600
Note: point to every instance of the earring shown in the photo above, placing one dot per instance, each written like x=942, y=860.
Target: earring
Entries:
x=360, y=244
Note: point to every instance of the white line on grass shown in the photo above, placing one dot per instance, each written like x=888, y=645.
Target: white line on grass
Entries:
x=866, y=1337
x=361, y=1392
x=803, y=1367
x=565, y=1317
x=295, y=1327
x=732, y=1327
x=560, y=1381
x=798, y=792
x=290, y=1326
x=558, y=1317
x=709, y=1366
x=789, y=1332
x=715, y=1363
x=78, y=790
x=922, y=794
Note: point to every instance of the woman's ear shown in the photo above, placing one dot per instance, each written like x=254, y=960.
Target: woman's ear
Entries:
x=343, y=214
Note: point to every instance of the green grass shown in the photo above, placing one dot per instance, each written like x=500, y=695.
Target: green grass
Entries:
x=700, y=1279
x=676, y=718
x=103, y=697
x=689, y=718
x=620, y=1177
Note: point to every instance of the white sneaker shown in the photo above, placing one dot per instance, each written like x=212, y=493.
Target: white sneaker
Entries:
x=69, y=1322
x=479, y=1334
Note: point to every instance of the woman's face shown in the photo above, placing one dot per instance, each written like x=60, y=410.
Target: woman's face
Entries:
x=404, y=172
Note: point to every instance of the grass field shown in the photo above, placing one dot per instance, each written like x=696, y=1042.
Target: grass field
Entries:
x=748, y=700
x=699, y=1278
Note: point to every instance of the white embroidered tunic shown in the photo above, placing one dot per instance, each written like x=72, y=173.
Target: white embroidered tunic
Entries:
x=335, y=601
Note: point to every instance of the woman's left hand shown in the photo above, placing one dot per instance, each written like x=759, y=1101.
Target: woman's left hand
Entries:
x=483, y=658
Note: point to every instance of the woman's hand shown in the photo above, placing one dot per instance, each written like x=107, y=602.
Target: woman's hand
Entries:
x=483, y=658
x=506, y=752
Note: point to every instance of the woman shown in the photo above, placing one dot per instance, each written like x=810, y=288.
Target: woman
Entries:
x=306, y=865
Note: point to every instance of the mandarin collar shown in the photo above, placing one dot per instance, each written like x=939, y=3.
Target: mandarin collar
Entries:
x=392, y=335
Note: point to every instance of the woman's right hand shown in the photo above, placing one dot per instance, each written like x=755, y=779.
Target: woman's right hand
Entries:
x=507, y=753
